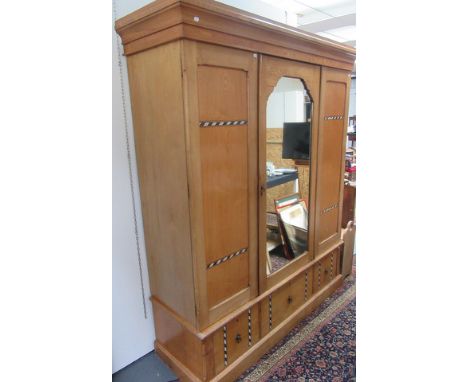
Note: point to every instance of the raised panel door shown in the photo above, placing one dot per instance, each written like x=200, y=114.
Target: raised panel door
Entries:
x=222, y=130
x=331, y=140
x=279, y=96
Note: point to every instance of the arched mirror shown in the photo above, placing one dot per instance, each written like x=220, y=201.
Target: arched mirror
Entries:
x=288, y=141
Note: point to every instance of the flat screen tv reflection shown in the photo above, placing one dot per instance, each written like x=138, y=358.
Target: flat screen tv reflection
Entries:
x=296, y=140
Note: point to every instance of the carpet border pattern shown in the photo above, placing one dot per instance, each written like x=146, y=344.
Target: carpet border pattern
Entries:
x=265, y=365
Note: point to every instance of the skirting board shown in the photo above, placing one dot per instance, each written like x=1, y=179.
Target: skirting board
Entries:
x=260, y=348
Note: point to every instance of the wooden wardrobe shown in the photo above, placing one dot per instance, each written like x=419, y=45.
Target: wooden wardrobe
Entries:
x=200, y=75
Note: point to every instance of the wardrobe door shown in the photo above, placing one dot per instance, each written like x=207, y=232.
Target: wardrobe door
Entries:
x=288, y=125
x=334, y=93
x=222, y=134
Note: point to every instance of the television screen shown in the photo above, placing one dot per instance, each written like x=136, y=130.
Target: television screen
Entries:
x=296, y=140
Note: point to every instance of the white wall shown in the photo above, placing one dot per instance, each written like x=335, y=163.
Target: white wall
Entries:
x=262, y=9
x=132, y=327
x=352, y=98
x=132, y=331
x=286, y=103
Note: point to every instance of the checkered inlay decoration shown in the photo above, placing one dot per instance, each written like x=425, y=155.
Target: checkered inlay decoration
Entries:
x=333, y=117
x=222, y=123
x=332, y=258
x=270, y=312
x=225, y=345
x=306, y=285
x=249, y=313
x=227, y=257
x=319, y=272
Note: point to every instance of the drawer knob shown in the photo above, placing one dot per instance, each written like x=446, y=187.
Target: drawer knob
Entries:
x=290, y=299
x=238, y=338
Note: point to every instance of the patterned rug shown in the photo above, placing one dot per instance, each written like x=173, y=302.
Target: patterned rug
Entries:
x=277, y=262
x=321, y=348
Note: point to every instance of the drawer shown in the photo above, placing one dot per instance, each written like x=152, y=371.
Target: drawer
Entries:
x=325, y=270
x=235, y=338
x=283, y=302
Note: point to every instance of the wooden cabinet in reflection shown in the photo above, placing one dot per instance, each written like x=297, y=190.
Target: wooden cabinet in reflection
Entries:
x=349, y=205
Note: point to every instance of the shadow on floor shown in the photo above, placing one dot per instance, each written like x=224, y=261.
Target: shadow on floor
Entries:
x=149, y=368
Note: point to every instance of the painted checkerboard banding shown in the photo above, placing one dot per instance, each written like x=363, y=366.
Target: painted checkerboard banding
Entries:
x=306, y=285
x=227, y=257
x=222, y=123
x=333, y=117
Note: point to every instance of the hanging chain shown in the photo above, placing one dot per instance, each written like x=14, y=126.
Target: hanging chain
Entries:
x=129, y=159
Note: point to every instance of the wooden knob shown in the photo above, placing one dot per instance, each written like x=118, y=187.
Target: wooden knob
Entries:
x=290, y=299
x=238, y=338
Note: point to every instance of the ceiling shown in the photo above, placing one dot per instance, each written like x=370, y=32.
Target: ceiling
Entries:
x=334, y=19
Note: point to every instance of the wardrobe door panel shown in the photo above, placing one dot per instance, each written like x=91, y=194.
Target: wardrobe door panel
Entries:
x=332, y=135
x=224, y=160
x=222, y=136
x=222, y=93
x=227, y=279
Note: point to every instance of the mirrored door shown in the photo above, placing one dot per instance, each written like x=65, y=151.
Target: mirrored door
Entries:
x=288, y=126
x=286, y=161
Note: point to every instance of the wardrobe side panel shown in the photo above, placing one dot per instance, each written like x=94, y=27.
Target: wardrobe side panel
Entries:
x=158, y=118
x=332, y=133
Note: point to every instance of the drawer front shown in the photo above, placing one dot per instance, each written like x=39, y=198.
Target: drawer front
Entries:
x=325, y=270
x=283, y=302
x=329, y=267
x=235, y=338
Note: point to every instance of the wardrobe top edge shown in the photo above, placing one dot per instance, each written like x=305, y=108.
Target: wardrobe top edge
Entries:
x=222, y=11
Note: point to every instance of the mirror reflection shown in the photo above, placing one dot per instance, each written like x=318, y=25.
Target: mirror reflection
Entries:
x=288, y=132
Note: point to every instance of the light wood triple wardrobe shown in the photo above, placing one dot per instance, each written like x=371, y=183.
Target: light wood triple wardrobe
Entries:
x=217, y=96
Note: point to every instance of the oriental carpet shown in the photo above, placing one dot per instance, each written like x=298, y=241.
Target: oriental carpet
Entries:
x=321, y=348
